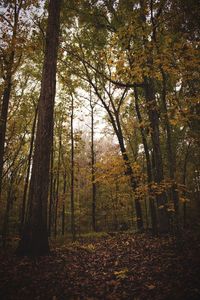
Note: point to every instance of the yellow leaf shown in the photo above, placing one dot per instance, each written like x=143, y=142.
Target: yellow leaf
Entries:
x=121, y=274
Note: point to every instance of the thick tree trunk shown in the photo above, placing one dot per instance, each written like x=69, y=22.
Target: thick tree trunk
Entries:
x=34, y=240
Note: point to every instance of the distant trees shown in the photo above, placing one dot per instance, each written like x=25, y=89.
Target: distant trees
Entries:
x=126, y=46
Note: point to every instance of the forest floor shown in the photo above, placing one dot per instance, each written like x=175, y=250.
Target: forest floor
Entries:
x=118, y=266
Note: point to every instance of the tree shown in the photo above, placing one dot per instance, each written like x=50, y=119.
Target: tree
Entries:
x=34, y=239
x=92, y=107
x=72, y=171
x=26, y=184
x=8, y=65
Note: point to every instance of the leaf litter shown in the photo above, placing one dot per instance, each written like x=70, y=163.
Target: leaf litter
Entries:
x=123, y=266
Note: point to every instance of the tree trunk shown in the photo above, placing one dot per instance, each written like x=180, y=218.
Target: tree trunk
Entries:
x=7, y=212
x=163, y=219
x=93, y=169
x=129, y=172
x=115, y=121
x=170, y=152
x=28, y=170
x=51, y=193
x=34, y=240
x=72, y=172
x=4, y=116
x=7, y=89
x=148, y=166
x=58, y=184
x=184, y=183
x=63, y=201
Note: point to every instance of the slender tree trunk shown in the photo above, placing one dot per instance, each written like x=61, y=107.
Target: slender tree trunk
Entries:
x=148, y=166
x=93, y=168
x=129, y=172
x=34, y=240
x=7, y=212
x=63, y=201
x=7, y=89
x=184, y=183
x=58, y=185
x=115, y=121
x=163, y=218
x=28, y=170
x=51, y=193
x=170, y=152
x=4, y=116
x=72, y=171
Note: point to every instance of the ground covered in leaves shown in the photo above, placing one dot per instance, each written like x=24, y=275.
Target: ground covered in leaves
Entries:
x=121, y=266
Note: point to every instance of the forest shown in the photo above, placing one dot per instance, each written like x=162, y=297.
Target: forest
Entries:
x=99, y=149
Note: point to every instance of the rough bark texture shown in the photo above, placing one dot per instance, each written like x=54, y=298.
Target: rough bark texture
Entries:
x=34, y=240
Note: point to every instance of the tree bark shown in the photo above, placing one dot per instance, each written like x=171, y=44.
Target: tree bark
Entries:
x=163, y=219
x=7, y=88
x=72, y=171
x=23, y=211
x=7, y=212
x=184, y=183
x=93, y=168
x=170, y=151
x=58, y=183
x=34, y=240
x=129, y=172
x=148, y=166
x=51, y=192
x=63, y=201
